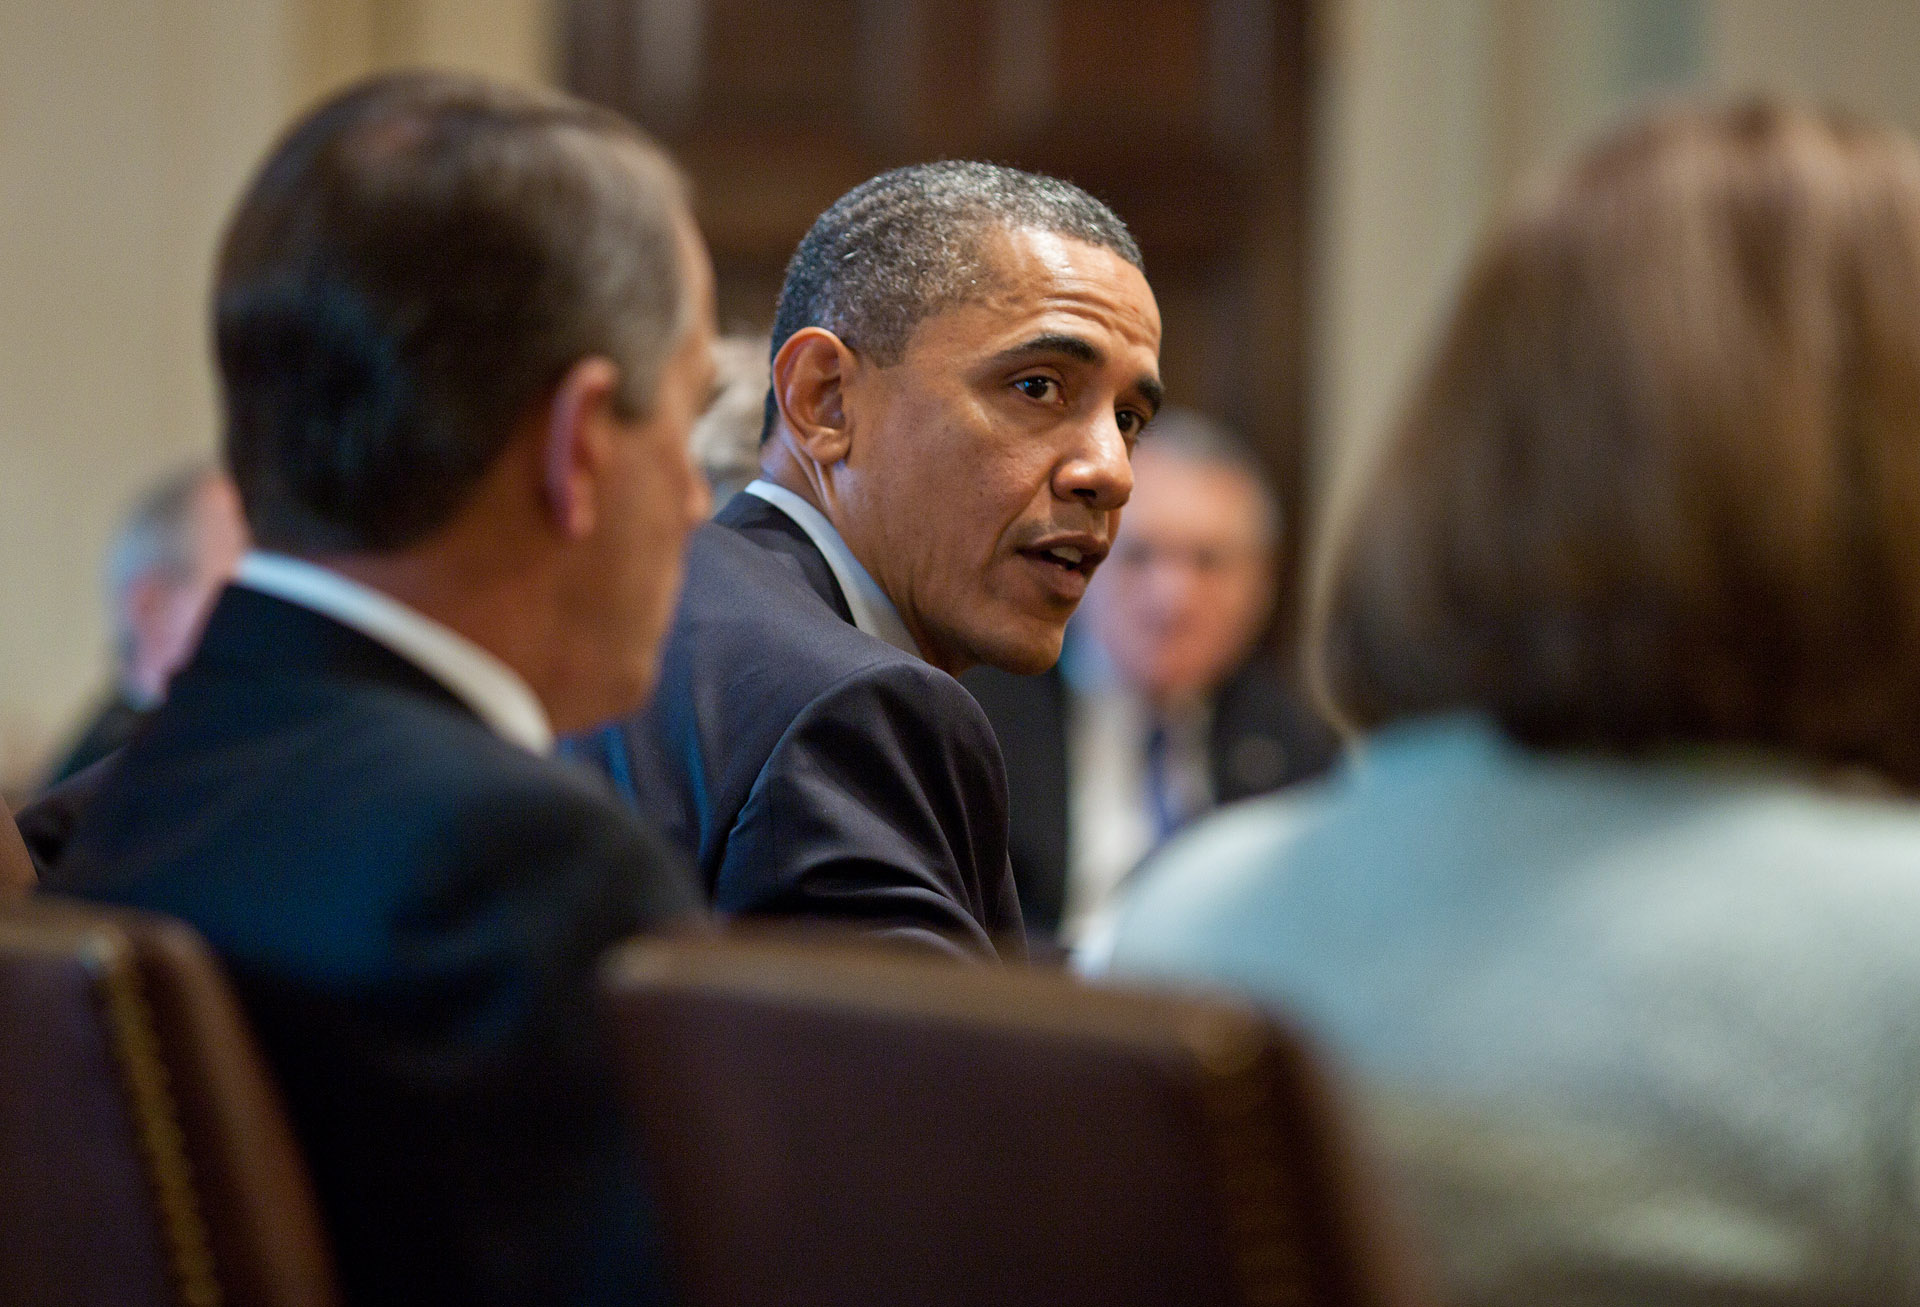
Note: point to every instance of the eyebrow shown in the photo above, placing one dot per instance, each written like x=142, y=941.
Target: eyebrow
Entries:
x=1083, y=351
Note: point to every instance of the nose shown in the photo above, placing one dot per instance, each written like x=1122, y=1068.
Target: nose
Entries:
x=1099, y=473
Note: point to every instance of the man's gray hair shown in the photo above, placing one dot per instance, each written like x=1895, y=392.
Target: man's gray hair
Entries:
x=910, y=243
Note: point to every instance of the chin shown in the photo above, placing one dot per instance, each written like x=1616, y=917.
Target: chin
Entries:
x=1035, y=652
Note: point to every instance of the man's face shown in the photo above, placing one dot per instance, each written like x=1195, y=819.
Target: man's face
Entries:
x=986, y=469
x=656, y=496
x=1179, y=603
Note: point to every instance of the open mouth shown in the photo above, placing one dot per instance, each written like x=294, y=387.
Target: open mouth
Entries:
x=1067, y=558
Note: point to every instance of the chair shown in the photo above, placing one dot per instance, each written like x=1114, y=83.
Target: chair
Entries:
x=838, y=1128
x=144, y=1154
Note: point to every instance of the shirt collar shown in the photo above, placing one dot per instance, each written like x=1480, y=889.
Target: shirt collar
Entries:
x=493, y=690
x=873, y=612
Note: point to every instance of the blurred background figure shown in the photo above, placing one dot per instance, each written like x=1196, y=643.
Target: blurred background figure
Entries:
x=1603, y=913
x=726, y=439
x=1159, y=709
x=166, y=565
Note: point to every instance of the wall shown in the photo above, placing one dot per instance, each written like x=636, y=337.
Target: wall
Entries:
x=1433, y=110
x=1857, y=53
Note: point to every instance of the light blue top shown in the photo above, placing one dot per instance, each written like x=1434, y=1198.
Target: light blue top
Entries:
x=1633, y=1032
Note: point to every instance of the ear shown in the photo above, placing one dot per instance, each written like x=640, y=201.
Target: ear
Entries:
x=578, y=442
x=809, y=379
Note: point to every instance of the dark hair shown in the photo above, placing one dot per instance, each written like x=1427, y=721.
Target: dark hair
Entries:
x=907, y=244
x=415, y=265
x=1661, y=482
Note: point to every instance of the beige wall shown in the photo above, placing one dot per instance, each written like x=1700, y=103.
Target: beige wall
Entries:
x=126, y=129
x=1864, y=54
x=1435, y=109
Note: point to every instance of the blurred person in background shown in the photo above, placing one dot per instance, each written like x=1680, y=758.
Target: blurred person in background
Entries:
x=166, y=564
x=1614, y=913
x=462, y=334
x=726, y=439
x=1159, y=709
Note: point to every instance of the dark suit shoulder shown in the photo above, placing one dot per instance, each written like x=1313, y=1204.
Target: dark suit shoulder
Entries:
x=882, y=801
x=810, y=768
x=366, y=799
x=739, y=594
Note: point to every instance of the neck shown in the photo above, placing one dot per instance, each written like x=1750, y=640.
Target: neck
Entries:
x=792, y=470
x=502, y=600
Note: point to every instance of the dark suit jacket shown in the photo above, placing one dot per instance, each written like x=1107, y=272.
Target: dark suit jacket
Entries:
x=411, y=910
x=1263, y=737
x=111, y=726
x=47, y=823
x=810, y=769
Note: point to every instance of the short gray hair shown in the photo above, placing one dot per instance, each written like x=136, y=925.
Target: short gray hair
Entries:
x=895, y=250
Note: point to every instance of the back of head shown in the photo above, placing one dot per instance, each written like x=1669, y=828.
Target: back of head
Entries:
x=909, y=243
x=1661, y=482
x=416, y=264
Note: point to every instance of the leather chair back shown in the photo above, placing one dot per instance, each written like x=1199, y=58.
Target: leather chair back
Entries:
x=16, y=868
x=833, y=1128
x=145, y=1157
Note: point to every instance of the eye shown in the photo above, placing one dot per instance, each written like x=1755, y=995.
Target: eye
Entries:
x=1044, y=389
x=1131, y=422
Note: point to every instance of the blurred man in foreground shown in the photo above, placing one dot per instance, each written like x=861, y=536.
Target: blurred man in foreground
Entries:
x=1156, y=712
x=170, y=558
x=963, y=358
x=462, y=335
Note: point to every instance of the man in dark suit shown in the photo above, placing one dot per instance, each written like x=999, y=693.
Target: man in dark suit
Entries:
x=462, y=334
x=1156, y=712
x=963, y=356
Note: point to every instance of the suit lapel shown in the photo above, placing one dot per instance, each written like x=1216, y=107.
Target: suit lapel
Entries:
x=772, y=530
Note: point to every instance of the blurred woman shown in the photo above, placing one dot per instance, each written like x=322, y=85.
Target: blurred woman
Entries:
x=1617, y=913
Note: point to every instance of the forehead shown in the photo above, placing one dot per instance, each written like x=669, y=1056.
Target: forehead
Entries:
x=1037, y=282
x=1195, y=497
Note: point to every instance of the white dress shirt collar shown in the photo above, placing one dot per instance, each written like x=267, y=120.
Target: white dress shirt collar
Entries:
x=872, y=611
x=495, y=692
